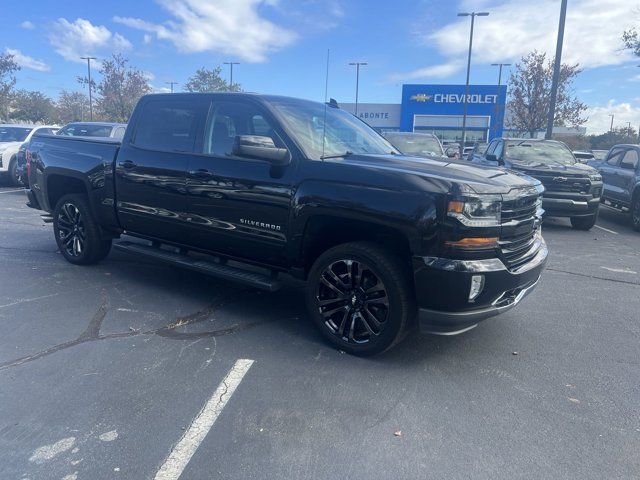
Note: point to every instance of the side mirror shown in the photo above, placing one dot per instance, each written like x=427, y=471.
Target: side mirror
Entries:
x=261, y=148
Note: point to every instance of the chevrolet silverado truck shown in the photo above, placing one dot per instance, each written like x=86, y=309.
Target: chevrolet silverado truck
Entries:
x=571, y=189
x=255, y=188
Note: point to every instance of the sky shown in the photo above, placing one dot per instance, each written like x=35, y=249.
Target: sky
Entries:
x=282, y=44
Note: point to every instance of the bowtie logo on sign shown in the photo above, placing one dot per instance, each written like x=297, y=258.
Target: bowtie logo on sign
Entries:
x=454, y=98
x=421, y=97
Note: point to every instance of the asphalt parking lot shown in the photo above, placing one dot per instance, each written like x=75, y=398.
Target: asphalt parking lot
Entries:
x=118, y=371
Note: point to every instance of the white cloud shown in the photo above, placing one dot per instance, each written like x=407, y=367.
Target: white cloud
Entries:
x=80, y=38
x=434, y=71
x=25, y=61
x=516, y=27
x=623, y=112
x=27, y=25
x=147, y=39
x=232, y=27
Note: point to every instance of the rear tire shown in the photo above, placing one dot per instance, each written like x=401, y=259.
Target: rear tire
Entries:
x=584, y=223
x=635, y=213
x=77, y=233
x=361, y=298
x=13, y=172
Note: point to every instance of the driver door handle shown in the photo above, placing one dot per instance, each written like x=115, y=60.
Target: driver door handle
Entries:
x=127, y=164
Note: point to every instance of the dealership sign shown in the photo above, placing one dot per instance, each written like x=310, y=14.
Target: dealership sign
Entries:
x=454, y=98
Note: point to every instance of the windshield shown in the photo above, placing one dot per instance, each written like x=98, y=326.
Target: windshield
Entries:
x=85, y=130
x=418, y=145
x=539, y=153
x=14, y=134
x=343, y=133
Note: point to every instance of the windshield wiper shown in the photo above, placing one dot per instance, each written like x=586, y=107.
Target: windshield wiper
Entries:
x=339, y=155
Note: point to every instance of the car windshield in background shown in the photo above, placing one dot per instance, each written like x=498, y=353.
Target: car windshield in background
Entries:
x=539, y=153
x=85, y=130
x=14, y=134
x=416, y=144
x=343, y=133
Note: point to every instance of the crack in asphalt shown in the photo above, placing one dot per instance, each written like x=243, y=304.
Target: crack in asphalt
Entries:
x=92, y=332
x=595, y=277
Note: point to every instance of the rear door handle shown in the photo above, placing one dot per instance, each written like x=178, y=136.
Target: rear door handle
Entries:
x=201, y=172
x=127, y=164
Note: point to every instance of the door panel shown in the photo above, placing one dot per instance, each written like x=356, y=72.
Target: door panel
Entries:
x=608, y=169
x=626, y=174
x=239, y=206
x=151, y=170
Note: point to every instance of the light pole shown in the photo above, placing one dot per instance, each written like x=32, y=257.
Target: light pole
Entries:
x=357, y=64
x=231, y=64
x=473, y=16
x=88, y=59
x=611, y=127
x=496, y=110
x=500, y=71
x=556, y=71
x=171, y=84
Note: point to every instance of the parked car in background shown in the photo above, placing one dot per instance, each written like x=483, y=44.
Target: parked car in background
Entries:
x=583, y=157
x=291, y=186
x=478, y=150
x=416, y=144
x=599, y=154
x=620, y=172
x=94, y=129
x=11, y=138
x=571, y=189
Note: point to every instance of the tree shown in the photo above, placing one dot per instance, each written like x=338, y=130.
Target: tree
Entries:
x=71, y=107
x=32, y=107
x=530, y=93
x=8, y=67
x=119, y=89
x=614, y=137
x=205, y=80
x=631, y=41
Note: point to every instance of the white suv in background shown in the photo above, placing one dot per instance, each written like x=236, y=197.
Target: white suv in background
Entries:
x=11, y=137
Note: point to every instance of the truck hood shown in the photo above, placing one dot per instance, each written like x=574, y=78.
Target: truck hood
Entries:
x=478, y=178
x=575, y=170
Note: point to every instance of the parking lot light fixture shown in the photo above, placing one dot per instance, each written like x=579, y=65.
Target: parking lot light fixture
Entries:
x=473, y=15
x=357, y=65
x=88, y=59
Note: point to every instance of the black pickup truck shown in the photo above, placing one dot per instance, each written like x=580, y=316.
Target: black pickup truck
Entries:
x=571, y=189
x=250, y=188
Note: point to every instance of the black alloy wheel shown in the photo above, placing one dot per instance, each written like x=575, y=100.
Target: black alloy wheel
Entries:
x=360, y=297
x=78, y=235
x=14, y=176
x=353, y=301
x=71, y=230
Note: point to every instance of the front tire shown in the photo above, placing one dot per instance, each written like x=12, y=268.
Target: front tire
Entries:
x=361, y=298
x=77, y=233
x=635, y=213
x=584, y=223
x=14, y=178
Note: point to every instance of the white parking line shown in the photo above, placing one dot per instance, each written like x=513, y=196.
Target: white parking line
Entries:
x=179, y=457
x=606, y=229
x=11, y=191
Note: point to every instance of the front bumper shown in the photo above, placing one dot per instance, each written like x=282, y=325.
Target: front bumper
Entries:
x=563, y=207
x=443, y=285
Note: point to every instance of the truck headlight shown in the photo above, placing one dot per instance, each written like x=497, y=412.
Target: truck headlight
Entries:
x=595, y=177
x=480, y=211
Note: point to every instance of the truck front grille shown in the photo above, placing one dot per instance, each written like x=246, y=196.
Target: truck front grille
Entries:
x=560, y=183
x=519, y=239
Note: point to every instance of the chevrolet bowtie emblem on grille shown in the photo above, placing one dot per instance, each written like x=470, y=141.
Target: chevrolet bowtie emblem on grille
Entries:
x=559, y=179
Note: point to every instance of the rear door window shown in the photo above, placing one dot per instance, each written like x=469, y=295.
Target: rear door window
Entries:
x=169, y=126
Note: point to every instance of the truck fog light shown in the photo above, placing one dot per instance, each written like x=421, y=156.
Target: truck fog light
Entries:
x=477, y=284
